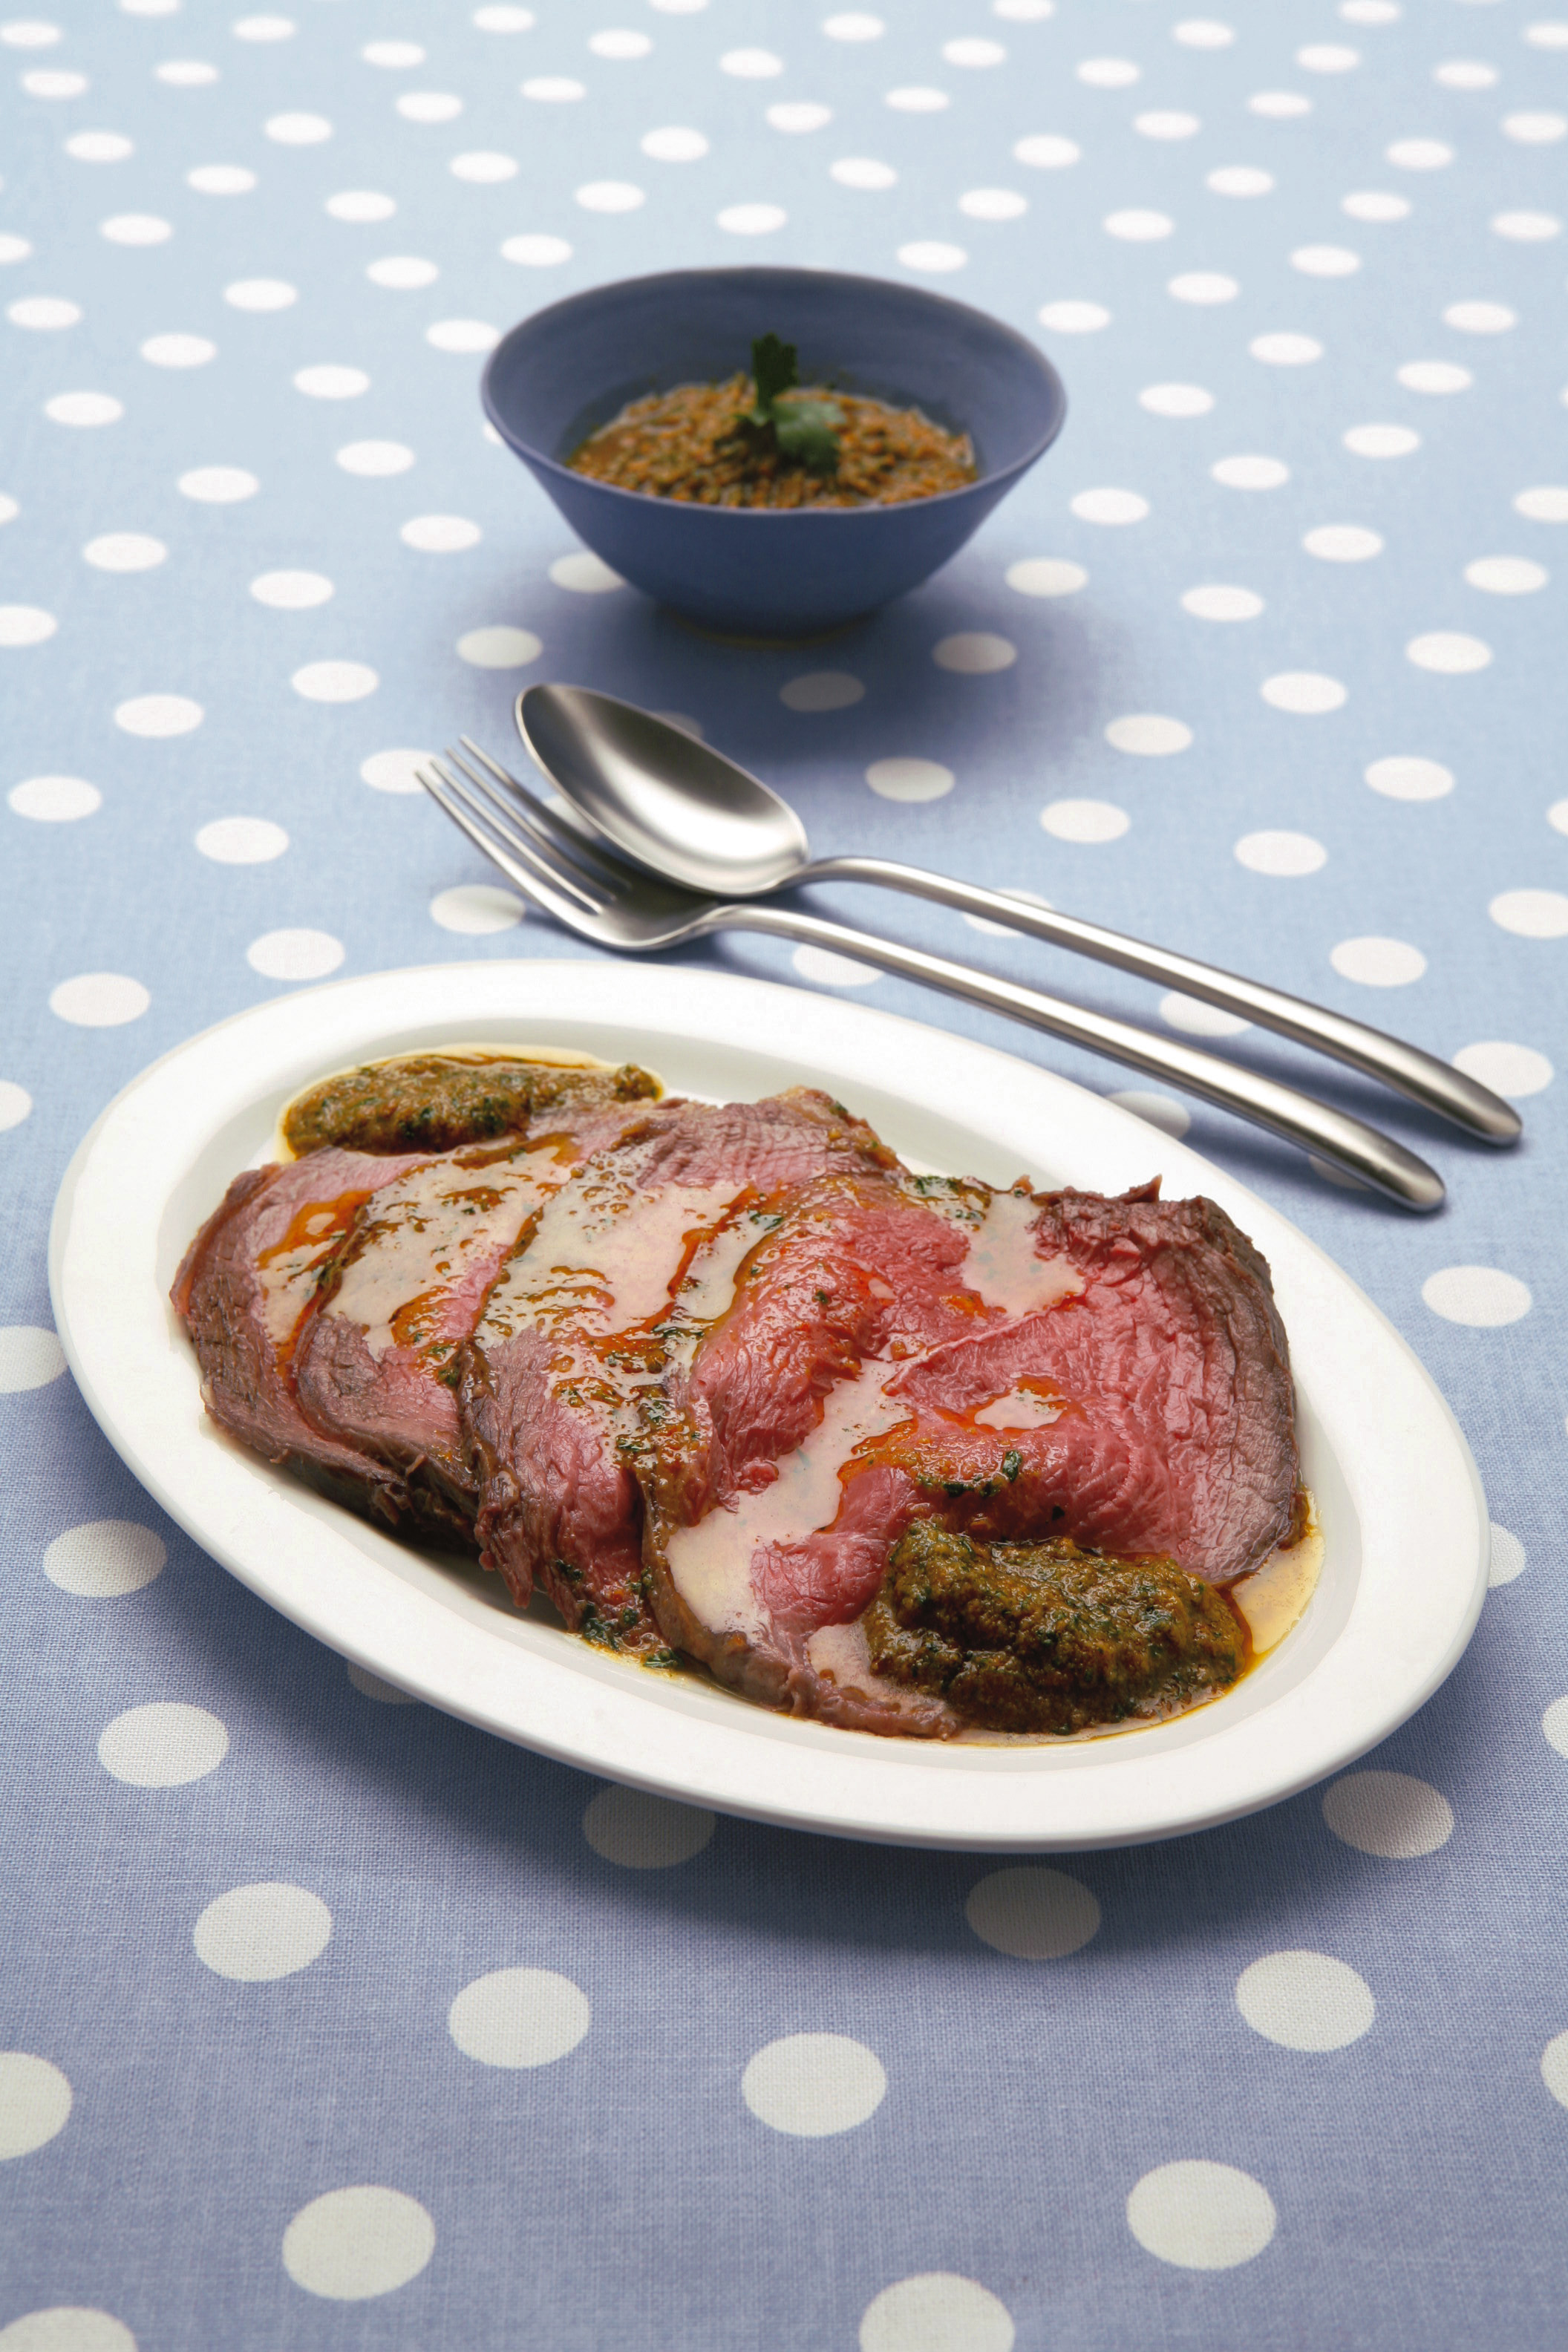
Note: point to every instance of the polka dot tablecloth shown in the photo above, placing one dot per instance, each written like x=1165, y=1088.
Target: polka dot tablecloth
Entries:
x=328, y=2022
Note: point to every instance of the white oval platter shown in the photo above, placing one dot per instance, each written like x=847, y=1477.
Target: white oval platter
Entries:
x=1401, y=1509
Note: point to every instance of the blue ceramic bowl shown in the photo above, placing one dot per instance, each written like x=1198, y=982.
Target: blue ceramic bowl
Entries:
x=760, y=572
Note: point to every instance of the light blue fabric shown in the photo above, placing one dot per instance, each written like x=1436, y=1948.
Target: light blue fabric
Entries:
x=625, y=2192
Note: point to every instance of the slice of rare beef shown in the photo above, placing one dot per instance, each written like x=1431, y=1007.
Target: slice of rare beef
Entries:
x=578, y=1329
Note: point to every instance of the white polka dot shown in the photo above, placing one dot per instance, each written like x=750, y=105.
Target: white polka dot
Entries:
x=178, y=351
x=610, y=197
x=499, y=647
x=1328, y=57
x=751, y=65
x=1250, y=473
x=440, y=534
x=297, y=129
x=44, y=313
x=353, y=2243
x=932, y=255
x=1448, y=652
x=1306, y=693
x=1135, y=227
x=1196, y=1019
x=157, y=715
x=1370, y=12
x=1285, y=855
x=1480, y=1296
x=26, y=624
x=1553, y=2058
x=814, y=2085
x=1531, y=914
x=1286, y=350
x=402, y=273
x=1534, y=129
x=463, y=336
x=821, y=689
x=1160, y=125
x=674, y=144
x=1342, y=542
x=910, y=780
x=186, y=73
x=1554, y=1725
x=854, y=26
x=1527, y=228
x=1382, y=440
x=620, y=47
x=584, y=574
x=974, y=55
x=518, y=2017
x=826, y=970
x=99, y=1000
x=30, y=1358
x=499, y=19
x=135, y=229
x=261, y=294
x=1480, y=318
x=1032, y=1914
x=163, y=1745
x=1507, y=575
x=29, y=33
x=1419, y=154
x=1046, y=575
x=993, y=203
x=483, y=167
x=219, y=486
x=241, y=841
x=1109, y=73
x=1200, y=2216
x=1148, y=735
x=291, y=592
x=371, y=1686
x=335, y=681
x=643, y=1833
x=1508, y=1556
x=797, y=116
x=1084, y=821
x=393, y=771
x=476, y=908
x=1389, y=1814
x=1404, y=777
x=393, y=56
x=35, y=2101
x=1548, y=35
x=1047, y=152
x=1024, y=12
x=1278, y=105
x=1162, y=1111
x=255, y=1934
x=360, y=206
x=1374, y=204
x=1203, y=33
x=1110, y=507
x=937, y=2311
x=99, y=147
x=554, y=90
x=1205, y=287
x=1557, y=816
x=67, y=2328
x=1305, y=2001
x=9, y=509
x=1240, y=180
x=1217, y=601
x=373, y=459
x=534, y=251
x=1325, y=261
x=295, y=955
x=221, y=180
x=55, y=800
x=975, y=653
x=87, y=408
x=1511, y=1070
x=1437, y=376
x=1378, y=962
x=1175, y=400
x=103, y=1560
x=1074, y=317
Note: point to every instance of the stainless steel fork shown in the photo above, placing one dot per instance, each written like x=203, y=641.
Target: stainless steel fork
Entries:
x=588, y=890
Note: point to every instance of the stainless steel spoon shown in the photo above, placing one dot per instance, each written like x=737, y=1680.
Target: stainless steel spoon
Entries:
x=688, y=814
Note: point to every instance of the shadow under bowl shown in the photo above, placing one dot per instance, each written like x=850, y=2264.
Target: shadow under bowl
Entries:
x=757, y=571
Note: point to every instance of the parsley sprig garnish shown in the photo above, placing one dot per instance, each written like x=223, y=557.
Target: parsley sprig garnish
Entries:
x=800, y=430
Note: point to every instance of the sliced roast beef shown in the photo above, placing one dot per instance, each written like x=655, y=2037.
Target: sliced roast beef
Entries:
x=560, y=1373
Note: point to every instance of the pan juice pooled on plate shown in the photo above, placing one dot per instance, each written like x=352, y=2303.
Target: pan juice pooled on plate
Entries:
x=763, y=441
x=733, y=1389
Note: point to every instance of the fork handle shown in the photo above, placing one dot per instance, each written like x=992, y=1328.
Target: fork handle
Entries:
x=1424, y=1079
x=1346, y=1143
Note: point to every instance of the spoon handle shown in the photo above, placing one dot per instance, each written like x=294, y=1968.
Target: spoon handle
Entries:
x=1346, y=1143
x=1421, y=1076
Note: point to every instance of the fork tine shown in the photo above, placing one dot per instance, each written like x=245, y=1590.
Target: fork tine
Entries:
x=554, y=892
x=559, y=847
x=570, y=833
